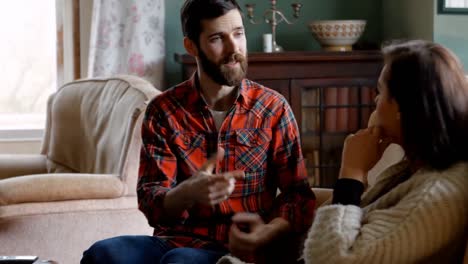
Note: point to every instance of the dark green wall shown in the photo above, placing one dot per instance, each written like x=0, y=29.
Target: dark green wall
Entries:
x=291, y=37
x=419, y=19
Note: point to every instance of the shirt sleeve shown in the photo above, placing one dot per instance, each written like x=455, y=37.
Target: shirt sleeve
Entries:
x=348, y=191
x=158, y=168
x=296, y=202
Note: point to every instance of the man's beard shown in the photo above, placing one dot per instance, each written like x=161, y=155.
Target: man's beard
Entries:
x=223, y=74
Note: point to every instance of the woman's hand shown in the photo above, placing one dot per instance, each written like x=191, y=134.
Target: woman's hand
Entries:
x=361, y=151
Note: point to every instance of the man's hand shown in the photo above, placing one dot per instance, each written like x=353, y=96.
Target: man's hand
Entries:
x=204, y=187
x=210, y=189
x=249, y=233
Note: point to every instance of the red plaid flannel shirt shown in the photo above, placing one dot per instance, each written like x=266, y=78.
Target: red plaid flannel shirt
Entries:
x=259, y=135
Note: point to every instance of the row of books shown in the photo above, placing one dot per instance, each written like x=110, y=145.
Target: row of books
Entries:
x=324, y=175
x=344, y=108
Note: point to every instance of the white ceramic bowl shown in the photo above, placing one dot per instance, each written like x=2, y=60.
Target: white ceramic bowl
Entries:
x=337, y=35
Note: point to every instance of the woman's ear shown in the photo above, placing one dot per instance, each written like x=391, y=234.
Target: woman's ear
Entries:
x=190, y=47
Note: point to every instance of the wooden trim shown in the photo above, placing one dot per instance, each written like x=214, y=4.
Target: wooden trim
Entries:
x=76, y=39
x=66, y=58
x=60, y=42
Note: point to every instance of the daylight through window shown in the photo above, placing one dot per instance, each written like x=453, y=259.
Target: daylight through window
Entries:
x=28, y=71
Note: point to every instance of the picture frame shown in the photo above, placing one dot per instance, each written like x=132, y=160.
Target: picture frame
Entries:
x=444, y=7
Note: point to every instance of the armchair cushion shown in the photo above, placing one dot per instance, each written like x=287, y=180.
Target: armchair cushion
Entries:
x=59, y=187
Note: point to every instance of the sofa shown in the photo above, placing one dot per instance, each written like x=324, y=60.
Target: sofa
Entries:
x=81, y=188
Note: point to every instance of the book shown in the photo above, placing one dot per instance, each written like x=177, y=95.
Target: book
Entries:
x=353, y=110
x=342, y=111
x=330, y=103
x=310, y=110
x=367, y=99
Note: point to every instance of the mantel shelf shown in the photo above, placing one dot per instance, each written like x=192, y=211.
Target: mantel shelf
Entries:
x=300, y=56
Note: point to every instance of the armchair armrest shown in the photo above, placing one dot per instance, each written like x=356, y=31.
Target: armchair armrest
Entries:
x=12, y=165
x=59, y=187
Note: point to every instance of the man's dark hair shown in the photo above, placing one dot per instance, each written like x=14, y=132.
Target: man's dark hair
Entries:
x=194, y=11
x=428, y=83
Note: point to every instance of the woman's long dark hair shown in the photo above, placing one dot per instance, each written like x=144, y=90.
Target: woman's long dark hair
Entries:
x=428, y=83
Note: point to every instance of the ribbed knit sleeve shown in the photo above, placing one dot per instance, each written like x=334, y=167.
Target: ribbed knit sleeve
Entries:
x=424, y=218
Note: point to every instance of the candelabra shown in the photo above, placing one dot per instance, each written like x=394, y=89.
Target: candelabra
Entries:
x=274, y=17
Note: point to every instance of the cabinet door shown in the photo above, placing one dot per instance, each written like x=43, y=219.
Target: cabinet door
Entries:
x=327, y=111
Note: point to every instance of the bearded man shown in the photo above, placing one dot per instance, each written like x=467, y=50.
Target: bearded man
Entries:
x=216, y=149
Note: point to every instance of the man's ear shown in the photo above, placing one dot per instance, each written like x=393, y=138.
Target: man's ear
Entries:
x=190, y=47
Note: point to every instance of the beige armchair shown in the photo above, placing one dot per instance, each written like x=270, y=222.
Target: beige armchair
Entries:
x=82, y=187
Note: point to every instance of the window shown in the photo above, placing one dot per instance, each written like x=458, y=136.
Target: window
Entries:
x=41, y=53
x=28, y=64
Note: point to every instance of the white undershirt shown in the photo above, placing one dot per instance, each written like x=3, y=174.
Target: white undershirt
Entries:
x=218, y=117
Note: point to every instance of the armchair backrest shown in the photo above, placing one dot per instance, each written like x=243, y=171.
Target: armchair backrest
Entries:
x=94, y=125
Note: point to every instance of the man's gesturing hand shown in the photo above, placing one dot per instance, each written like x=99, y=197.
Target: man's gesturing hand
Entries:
x=211, y=188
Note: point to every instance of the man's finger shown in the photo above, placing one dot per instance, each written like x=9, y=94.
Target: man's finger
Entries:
x=237, y=174
x=250, y=219
x=210, y=164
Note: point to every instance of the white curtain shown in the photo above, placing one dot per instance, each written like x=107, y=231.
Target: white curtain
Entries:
x=127, y=37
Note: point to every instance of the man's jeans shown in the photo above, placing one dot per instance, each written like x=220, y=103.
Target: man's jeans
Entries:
x=145, y=249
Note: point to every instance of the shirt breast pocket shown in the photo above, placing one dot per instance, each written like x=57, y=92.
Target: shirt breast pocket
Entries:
x=252, y=149
x=190, y=149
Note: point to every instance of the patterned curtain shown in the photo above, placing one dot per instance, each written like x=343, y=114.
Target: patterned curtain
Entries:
x=127, y=37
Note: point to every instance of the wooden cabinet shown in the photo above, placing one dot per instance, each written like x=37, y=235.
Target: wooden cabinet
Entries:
x=331, y=94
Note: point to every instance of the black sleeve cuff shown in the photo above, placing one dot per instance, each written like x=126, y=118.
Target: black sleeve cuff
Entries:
x=348, y=192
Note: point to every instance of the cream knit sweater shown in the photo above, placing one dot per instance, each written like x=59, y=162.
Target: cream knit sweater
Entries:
x=422, y=220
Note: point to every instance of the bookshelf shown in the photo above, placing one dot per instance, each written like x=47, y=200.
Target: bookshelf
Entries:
x=331, y=94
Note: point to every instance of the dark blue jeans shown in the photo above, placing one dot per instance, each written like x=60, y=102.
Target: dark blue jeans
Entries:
x=145, y=249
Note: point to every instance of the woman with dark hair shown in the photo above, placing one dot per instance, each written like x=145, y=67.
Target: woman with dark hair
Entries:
x=417, y=211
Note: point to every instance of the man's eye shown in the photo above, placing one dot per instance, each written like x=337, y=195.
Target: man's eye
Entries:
x=215, y=39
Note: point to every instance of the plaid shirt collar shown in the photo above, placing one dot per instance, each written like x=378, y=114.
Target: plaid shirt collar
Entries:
x=195, y=101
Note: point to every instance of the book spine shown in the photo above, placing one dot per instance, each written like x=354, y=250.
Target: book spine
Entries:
x=353, y=110
x=367, y=99
x=330, y=101
x=342, y=112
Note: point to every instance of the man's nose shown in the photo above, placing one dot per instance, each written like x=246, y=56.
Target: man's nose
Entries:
x=231, y=45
